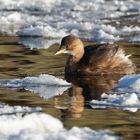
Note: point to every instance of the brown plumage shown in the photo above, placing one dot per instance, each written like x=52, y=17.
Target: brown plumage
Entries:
x=96, y=59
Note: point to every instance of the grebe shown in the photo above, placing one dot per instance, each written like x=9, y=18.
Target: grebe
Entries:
x=95, y=59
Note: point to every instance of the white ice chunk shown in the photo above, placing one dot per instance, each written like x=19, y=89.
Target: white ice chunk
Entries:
x=6, y=109
x=135, y=39
x=47, y=92
x=27, y=5
x=125, y=101
x=44, y=85
x=37, y=42
x=102, y=35
x=130, y=83
x=130, y=29
x=12, y=22
x=126, y=95
x=39, y=30
x=32, y=123
x=42, y=126
x=43, y=79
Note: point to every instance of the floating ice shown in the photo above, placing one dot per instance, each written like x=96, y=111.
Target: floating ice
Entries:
x=135, y=39
x=103, y=33
x=57, y=18
x=43, y=126
x=125, y=101
x=126, y=95
x=26, y=5
x=47, y=92
x=22, y=123
x=130, y=29
x=39, y=30
x=43, y=79
x=130, y=83
x=44, y=85
x=28, y=125
x=6, y=109
x=12, y=22
x=37, y=42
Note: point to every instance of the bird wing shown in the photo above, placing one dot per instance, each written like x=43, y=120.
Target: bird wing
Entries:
x=100, y=56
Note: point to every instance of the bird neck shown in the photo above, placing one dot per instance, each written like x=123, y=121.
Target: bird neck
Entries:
x=78, y=54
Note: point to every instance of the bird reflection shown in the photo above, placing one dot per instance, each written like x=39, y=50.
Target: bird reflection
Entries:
x=73, y=105
x=77, y=101
x=85, y=89
x=93, y=86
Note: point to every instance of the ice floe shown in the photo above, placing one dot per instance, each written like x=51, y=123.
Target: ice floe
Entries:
x=57, y=18
x=47, y=91
x=130, y=29
x=37, y=42
x=135, y=39
x=41, y=30
x=13, y=22
x=103, y=33
x=7, y=110
x=26, y=5
x=130, y=83
x=126, y=95
x=43, y=126
x=19, y=122
x=125, y=101
x=44, y=85
x=43, y=79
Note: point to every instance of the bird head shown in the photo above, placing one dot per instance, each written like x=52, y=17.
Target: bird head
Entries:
x=70, y=45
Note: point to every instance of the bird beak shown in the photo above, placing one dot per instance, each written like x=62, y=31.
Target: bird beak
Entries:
x=61, y=51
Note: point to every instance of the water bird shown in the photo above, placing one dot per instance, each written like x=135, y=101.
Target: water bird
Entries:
x=96, y=59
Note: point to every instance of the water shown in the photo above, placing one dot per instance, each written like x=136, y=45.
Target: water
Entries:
x=30, y=32
x=72, y=106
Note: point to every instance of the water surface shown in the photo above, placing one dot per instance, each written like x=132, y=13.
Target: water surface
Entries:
x=72, y=108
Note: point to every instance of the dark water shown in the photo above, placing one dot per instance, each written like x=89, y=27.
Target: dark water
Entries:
x=72, y=106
